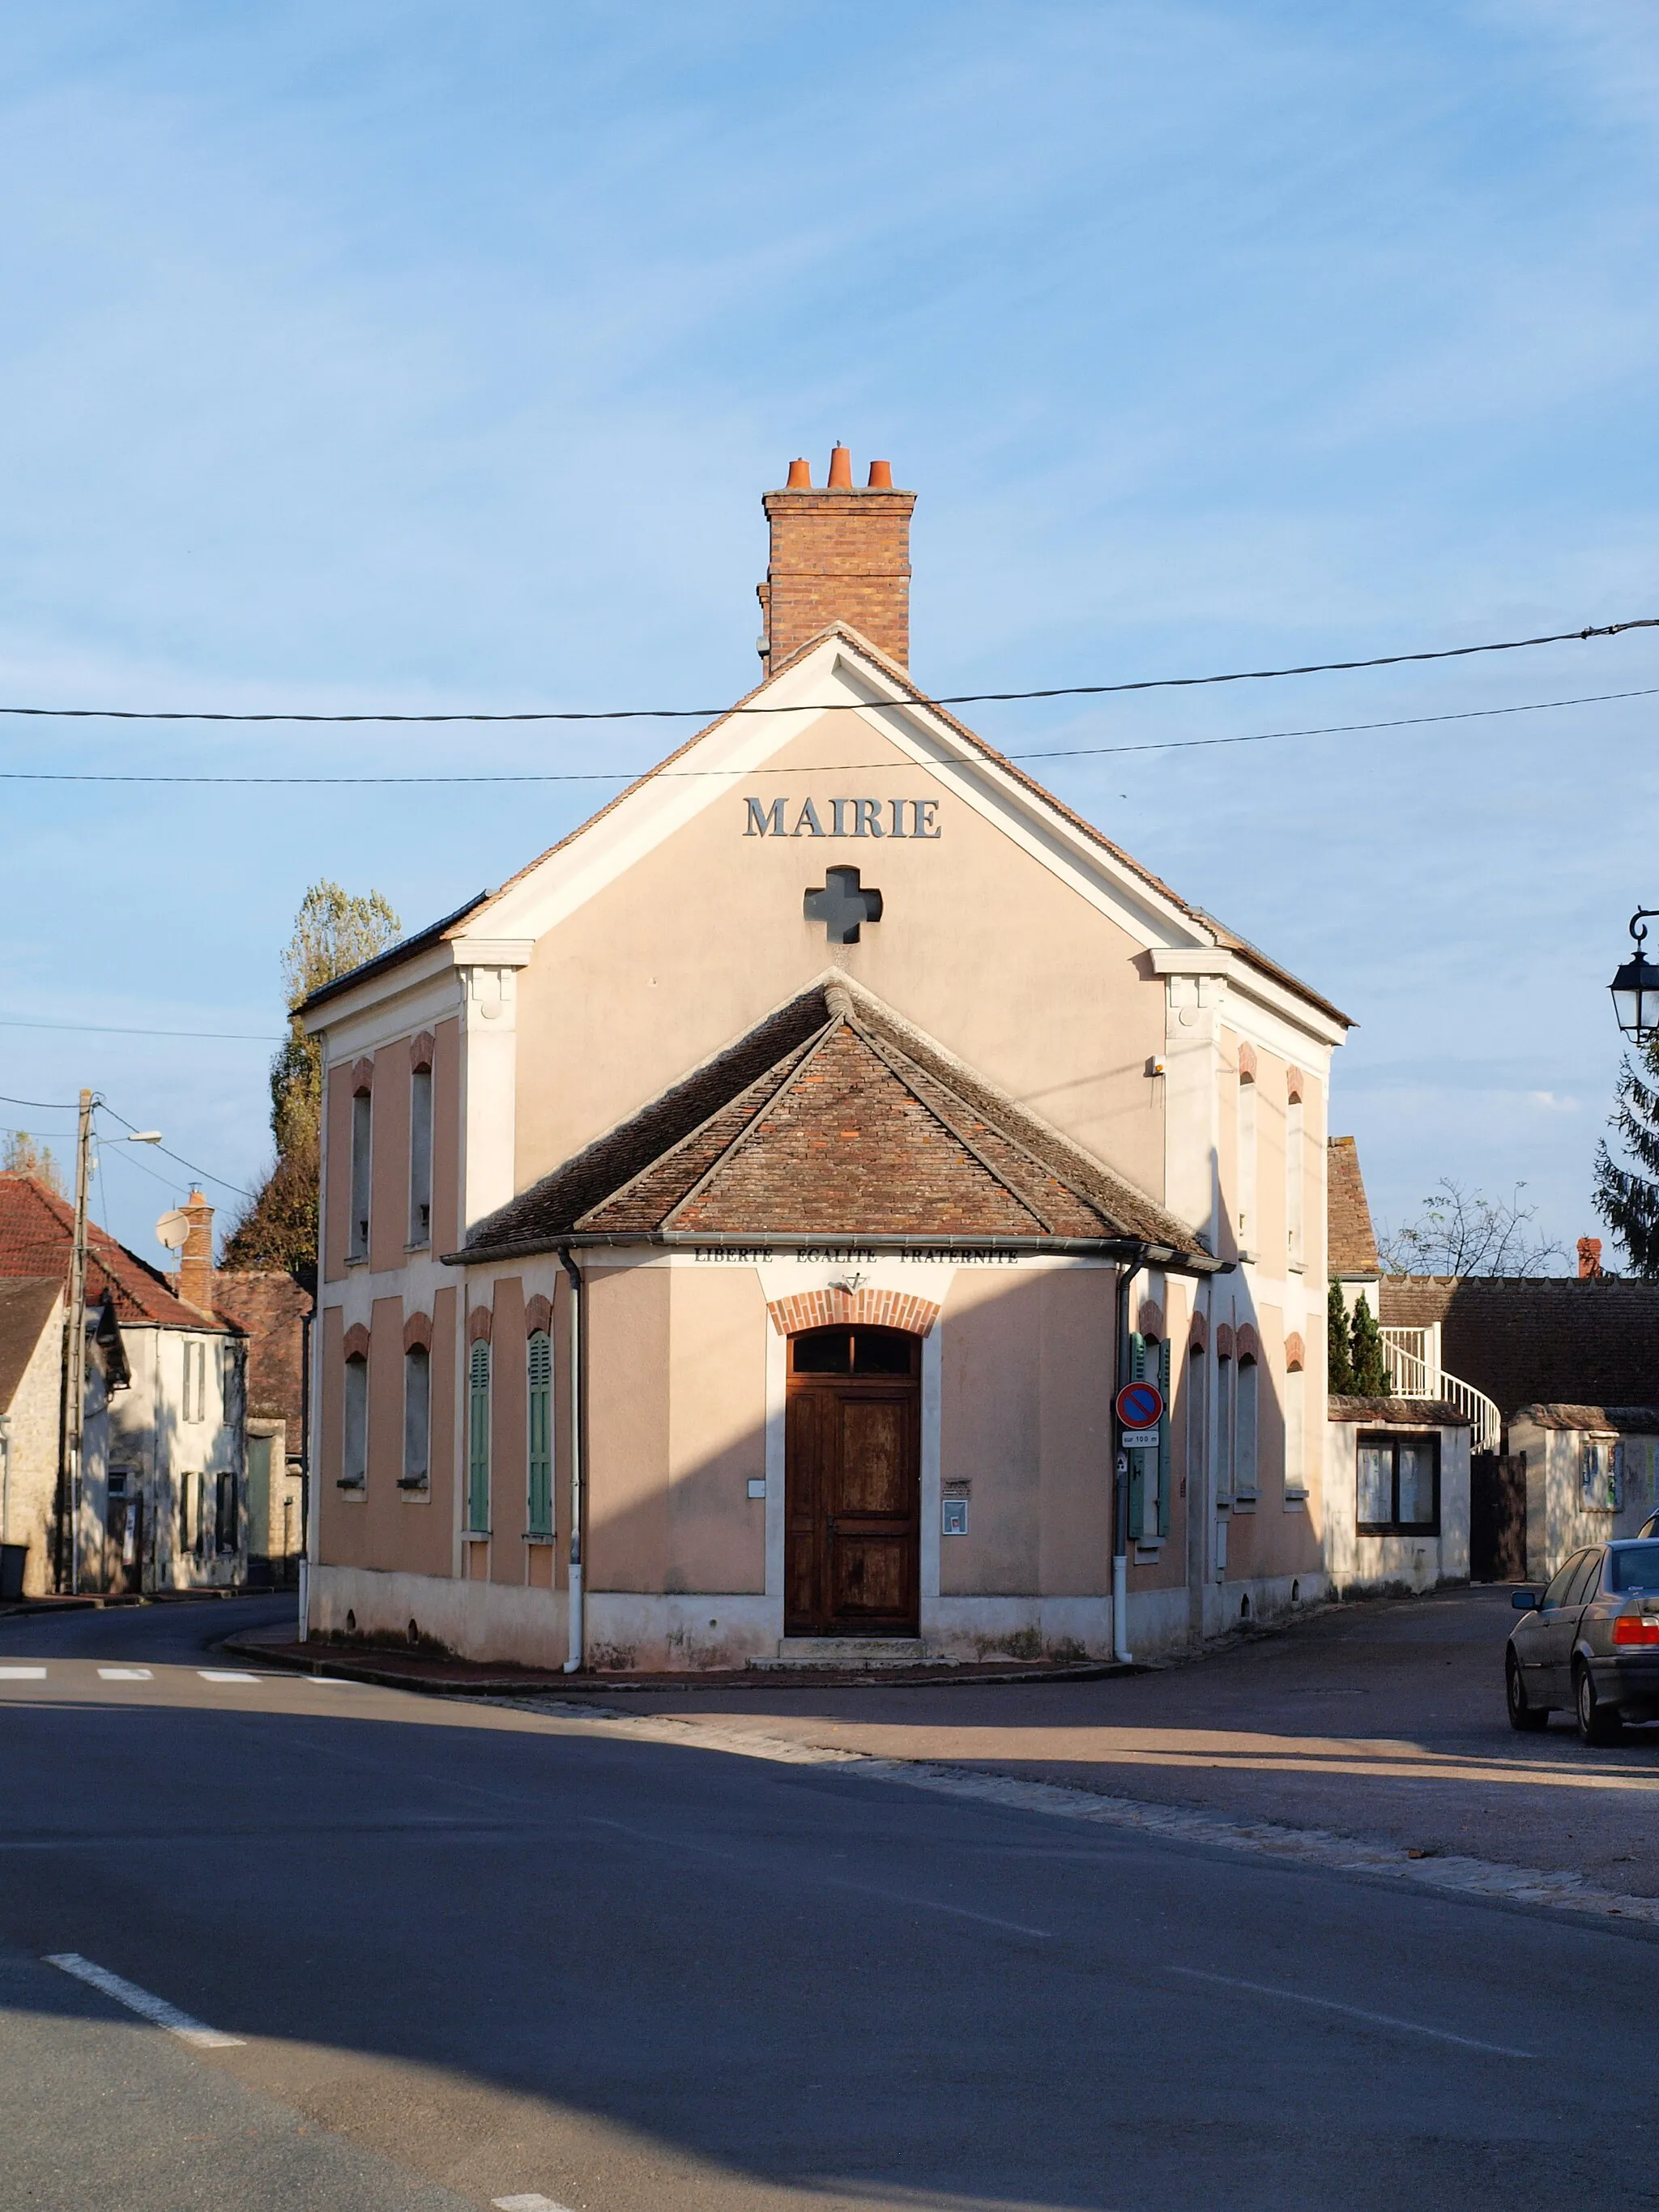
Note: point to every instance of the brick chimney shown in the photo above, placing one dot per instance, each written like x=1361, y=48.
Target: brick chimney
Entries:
x=196, y=1260
x=839, y=555
x=1589, y=1259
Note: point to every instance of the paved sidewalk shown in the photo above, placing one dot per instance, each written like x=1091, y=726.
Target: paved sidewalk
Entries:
x=1383, y=1720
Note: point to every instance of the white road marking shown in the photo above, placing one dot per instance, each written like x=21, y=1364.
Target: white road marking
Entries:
x=828, y=1881
x=123, y=1675
x=1355, y=2012
x=224, y=1675
x=338, y=1682
x=531, y=2204
x=22, y=1674
x=155, y=2009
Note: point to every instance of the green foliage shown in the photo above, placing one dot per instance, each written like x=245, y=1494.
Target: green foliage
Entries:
x=1371, y=1377
x=22, y=1154
x=333, y=933
x=1626, y=1199
x=1339, y=1352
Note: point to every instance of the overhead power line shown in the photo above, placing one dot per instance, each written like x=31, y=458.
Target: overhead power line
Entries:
x=945, y=699
x=832, y=767
x=111, y=1029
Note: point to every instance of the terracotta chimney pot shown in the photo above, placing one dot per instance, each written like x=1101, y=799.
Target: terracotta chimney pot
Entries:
x=800, y=475
x=1589, y=1259
x=881, y=476
x=836, y=560
x=841, y=469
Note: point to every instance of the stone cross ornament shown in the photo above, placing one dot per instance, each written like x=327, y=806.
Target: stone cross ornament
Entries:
x=842, y=906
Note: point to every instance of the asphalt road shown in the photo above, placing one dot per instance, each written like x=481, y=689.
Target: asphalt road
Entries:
x=475, y=1955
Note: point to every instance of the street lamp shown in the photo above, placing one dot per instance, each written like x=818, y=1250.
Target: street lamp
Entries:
x=1636, y=986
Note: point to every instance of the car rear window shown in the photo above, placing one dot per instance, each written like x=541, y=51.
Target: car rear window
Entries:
x=1634, y=1567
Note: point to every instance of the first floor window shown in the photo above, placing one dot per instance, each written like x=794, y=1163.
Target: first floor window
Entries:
x=1223, y=1427
x=1399, y=1486
x=1247, y=1429
x=1295, y=1440
x=353, y=1474
x=224, y=1513
x=477, y=1439
x=417, y=1416
x=186, y=1492
x=540, y=1366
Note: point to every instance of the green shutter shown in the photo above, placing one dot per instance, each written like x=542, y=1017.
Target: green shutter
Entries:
x=478, y=1457
x=1137, y=1459
x=1164, y=1370
x=540, y=1362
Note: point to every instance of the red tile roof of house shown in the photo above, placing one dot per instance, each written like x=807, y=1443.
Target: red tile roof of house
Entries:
x=832, y=1118
x=37, y=1230
x=27, y=1304
x=1352, y=1241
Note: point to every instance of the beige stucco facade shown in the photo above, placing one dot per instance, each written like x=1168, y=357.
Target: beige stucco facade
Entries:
x=1015, y=939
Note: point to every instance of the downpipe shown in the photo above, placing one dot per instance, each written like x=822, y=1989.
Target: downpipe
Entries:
x=1121, y=1652
x=573, y=1665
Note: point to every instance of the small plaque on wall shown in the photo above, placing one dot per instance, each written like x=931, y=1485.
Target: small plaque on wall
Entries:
x=955, y=1522
x=757, y=1485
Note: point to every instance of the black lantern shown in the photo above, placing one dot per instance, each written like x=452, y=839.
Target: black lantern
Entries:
x=1636, y=986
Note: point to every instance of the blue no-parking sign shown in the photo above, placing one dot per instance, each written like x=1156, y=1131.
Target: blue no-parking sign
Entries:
x=1140, y=1405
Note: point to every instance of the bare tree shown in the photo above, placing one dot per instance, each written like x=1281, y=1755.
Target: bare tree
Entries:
x=1464, y=1233
x=23, y=1154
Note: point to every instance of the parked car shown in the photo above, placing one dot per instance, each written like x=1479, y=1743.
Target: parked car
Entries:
x=1650, y=1526
x=1588, y=1643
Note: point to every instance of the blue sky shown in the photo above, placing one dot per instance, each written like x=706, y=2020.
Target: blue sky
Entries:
x=437, y=356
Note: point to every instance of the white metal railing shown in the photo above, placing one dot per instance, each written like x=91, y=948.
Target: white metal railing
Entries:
x=1413, y=1356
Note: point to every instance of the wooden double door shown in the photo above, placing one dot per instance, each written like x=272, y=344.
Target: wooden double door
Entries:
x=853, y=1484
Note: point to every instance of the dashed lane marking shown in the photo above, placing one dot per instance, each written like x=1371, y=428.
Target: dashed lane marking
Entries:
x=1354, y=2012
x=224, y=1675
x=531, y=2204
x=22, y=1674
x=155, y=2009
x=123, y=1675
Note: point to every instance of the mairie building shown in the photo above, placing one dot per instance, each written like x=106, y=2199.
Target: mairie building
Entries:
x=738, y=1229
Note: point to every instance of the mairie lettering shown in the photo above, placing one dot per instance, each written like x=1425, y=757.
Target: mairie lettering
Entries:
x=841, y=817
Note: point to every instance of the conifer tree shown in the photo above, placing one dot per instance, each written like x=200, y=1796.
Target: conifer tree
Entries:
x=1338, y=1349
x=1626, y=1199
x=333, y=933
x=1371, y=1377
x=23, y=1154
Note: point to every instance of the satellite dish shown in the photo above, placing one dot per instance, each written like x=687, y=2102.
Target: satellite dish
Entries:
x=173, y=1229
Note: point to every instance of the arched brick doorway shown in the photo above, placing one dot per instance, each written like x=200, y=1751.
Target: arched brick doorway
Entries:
x=852, y=1483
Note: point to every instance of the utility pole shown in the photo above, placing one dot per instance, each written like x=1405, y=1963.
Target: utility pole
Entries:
x=75, y=1368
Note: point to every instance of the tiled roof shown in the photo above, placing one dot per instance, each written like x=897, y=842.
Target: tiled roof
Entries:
x=1352, y=1239
x=272, y=1309
x=1624, y=1420
x=37, y=1230
x=27, y=1303
x=832, y=1118
x=1398, y=1412
x=1545, y=1339
x=900, y=676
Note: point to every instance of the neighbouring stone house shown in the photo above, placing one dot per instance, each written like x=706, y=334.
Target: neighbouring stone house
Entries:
x=161, y=1504
x=736, y=1229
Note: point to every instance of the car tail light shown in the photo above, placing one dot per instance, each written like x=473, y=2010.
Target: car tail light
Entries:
x=1636, y=1628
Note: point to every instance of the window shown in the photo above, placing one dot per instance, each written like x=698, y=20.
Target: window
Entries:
x=1635, y=1567
x=1602, y=1475
x=1563, y=1574
x=357, y=1235
x=539, y=1363
x=1399, y=1486
x=1149, y=1464
x=1245, y=1430
x=1584, y=1591
x=186, y=1488
x=478, y=1440
x=224, y=1514
x=1249, y=1239
x=1295, y=1171
x=195, y=1394
x=419, y=1156
x=1197, y=1437
x=417, y=1417
x=354, y=1473
x=1295, y=1437
x=1224, y=1426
